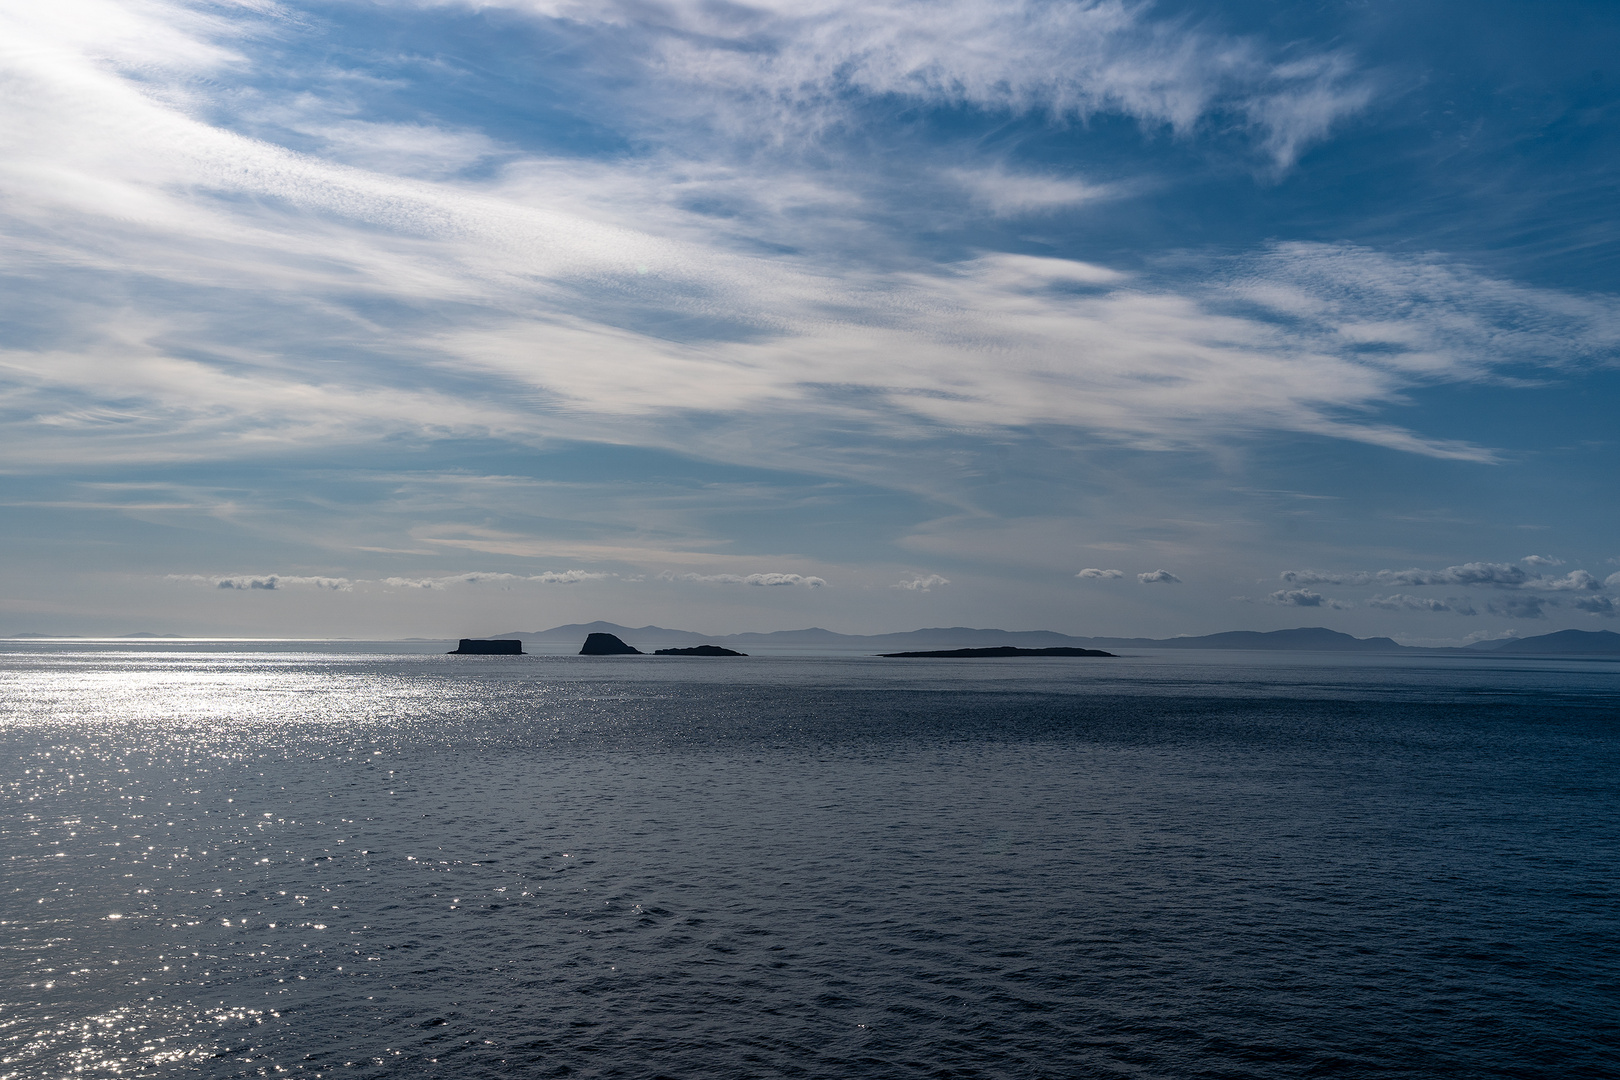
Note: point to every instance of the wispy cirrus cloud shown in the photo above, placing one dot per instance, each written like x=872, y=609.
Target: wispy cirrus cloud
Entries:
x=565, y=281
x=1426, y=316
x=804, y=67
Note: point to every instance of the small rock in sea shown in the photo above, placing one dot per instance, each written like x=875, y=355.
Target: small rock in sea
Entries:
x=699, y=650
x=606, y=645
x=484, y=647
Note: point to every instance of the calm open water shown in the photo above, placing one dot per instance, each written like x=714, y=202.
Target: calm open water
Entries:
x=227, y=860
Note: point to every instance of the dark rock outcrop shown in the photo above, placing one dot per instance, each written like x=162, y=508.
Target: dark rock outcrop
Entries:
x=485, y=647
x=699, y=650
x=606, y=645
x=1002, y=650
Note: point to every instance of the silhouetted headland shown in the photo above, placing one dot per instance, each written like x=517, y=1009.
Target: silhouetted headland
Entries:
x=486, y=647
x=607, y=645
x=1001, y=650
x=699, y=650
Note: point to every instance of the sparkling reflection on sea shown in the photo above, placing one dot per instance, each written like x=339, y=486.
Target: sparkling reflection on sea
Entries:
x=375, y=860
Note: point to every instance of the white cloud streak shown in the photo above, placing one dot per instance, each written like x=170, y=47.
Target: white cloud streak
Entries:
x=1009, y=194
x=1500, y=575
x=1408, y=602
x=1471, y=575
x=767, y=580
x=265, y=582
x=1529, y=595
x=1158, y=577
x=549, y=577
x=1091, y=573
x=281, y=582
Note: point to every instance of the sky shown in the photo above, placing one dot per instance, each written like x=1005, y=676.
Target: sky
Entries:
x=439, y=318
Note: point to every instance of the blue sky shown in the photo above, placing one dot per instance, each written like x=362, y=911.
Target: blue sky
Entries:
x=388, y=319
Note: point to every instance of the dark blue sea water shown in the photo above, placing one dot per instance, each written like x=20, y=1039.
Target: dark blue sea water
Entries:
x=225, y=860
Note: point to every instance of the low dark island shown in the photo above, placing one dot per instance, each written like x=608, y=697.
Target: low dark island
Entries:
x=699, y=650
x=607, y=645
x=1002, y=650
x=482, y=647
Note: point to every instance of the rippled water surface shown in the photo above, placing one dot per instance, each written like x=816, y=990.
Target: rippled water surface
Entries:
x=225, y=860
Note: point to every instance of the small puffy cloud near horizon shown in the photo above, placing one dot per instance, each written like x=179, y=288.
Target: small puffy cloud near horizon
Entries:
x=1408, y=602
x=799, y=300
x=1301, y=598
x=922, y=583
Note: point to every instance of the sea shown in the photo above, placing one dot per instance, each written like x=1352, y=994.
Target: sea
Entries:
x=247, y=859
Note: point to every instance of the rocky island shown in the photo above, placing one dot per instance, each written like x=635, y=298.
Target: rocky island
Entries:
x=1000, y=650
x=699, y=650
x=486, y=647
x=607, y=645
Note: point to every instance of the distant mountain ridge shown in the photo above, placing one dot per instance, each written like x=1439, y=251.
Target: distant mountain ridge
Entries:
x=1565, y=642
x=1300, y=639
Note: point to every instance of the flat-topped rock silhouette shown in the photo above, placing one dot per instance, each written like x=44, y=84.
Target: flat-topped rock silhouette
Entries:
x=1000, y=650
x=699, y=650
x=485, y=647
x=607, y=645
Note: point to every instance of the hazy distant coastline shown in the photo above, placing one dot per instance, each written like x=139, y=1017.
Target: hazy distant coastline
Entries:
x=1303, y=639
x=1595, y=644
